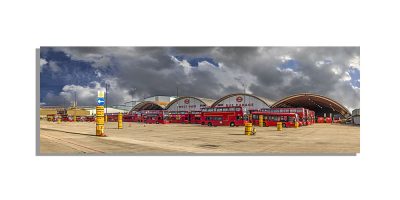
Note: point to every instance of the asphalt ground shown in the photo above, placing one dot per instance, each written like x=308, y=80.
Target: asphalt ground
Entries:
x=69, y=138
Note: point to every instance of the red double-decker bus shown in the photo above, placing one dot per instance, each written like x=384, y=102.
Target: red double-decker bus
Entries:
x=312, y=117
x=194, y=117
x=112, y=117
x=271, y=118
x=179, y=117
x=155, y=116
x=133, y=116
x=223, y=116
x=320, y=120
x=308, y=117
x=301, y=112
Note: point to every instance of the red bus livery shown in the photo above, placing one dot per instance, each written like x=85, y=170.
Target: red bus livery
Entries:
x=223, y=116
x=178, y=117
x=155, y=116
x=301, y=112
x=271, y=118
x=195, y=117
x=132, y=117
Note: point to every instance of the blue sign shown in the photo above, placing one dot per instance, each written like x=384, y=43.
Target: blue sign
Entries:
x=100, y=101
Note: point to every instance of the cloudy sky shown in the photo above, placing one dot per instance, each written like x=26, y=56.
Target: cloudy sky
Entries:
x=211, y=72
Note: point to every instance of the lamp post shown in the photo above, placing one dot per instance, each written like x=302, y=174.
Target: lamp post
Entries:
x=76, y=104
x=132, y=91
x=106, y=100
x=177, y=96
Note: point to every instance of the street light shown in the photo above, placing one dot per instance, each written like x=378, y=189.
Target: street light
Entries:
x=132, y=91
x=106, y=100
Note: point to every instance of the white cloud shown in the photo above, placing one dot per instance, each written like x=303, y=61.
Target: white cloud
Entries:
x=355, y=62
x=346, y=77
x=54, y=66
x=42, y=63
x=87, y=95
x=285, y=58
x=336, y=70
x=320, y=70
x=184, y=64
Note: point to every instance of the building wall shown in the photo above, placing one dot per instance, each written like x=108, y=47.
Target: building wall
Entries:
x=160, y=98
x=356, y=116
x=355, y=112
x=48, y=111
x=245, y=101
x=79, y=112
x=187, y=104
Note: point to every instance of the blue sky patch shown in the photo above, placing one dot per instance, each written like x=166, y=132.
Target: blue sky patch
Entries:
x=194, y=61
x=289, y=64
x=71, y=72
x=355, y=77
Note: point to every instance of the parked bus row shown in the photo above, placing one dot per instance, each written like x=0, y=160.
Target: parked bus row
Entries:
x=69, y=118
x=224, y=116
x=219, y=116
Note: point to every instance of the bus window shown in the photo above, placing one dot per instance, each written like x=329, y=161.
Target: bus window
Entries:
x=239, y=117
x=299, y=110
x=255, y=116
x=225, y=109
x=231, y=109
x=237, y=109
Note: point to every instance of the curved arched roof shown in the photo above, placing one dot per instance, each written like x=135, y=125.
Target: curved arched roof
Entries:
x=147, y=105
x=315, y=102
x=206, y=101
x=267, y=102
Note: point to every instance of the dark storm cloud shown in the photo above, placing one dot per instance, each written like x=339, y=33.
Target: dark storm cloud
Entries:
x=154, y=71
x=162, y=78
x=199, y=51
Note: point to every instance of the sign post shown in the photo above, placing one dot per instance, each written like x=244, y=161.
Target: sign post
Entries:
x=100, y=114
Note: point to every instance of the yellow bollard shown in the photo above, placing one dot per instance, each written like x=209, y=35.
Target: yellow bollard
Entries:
x=106, y=117
x=100, y=121
x=119, y=120
x=74, y=118
x=59, y=120
x=279, y=126
x=247, y=128
x=261, y=120
x=296, y=124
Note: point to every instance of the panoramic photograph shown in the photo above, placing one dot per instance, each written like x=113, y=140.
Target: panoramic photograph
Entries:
x=198, y=100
